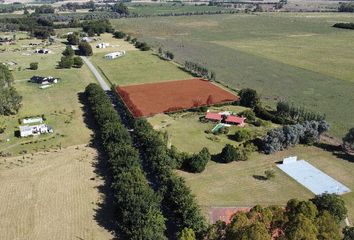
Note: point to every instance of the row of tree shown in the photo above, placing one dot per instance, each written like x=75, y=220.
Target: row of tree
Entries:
x=346, y=7
x=69, y=60
x=97, y=27
x=178, y=203
x=198, y=70
x=344, y=25
x=315, y=219
x=10, y=100
x=137, y=207
x=308, y=132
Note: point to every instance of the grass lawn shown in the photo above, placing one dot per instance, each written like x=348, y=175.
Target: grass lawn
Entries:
x=187, y=133
x=114, y=44
x=60, y=103
x=299, y=57
x=233, y=184
x=138, y=67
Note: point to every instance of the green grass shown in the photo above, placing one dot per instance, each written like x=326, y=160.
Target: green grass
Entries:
x=138, y=67
x=233, y=184
x=187, y=133
x=60, y=104
x=294, y=56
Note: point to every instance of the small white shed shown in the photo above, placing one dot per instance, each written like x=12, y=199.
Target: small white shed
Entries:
x=114, y=55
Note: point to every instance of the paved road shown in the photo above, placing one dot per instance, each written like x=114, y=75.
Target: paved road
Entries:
x=98, y=76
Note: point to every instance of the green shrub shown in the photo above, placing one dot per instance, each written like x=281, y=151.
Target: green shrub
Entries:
x=242, y=135
x=34, y=65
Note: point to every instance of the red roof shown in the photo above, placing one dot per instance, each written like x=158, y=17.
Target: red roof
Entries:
x=213, y=116
x=235, y=119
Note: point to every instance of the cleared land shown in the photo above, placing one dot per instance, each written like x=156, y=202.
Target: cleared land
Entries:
x=51, y=195
x=60, y=104
x=137, y=67
x=299, y=57
x=235, y=184
x=149, y=99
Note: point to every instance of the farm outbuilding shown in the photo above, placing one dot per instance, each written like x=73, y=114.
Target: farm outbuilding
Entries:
x=114, y=55
x=26, y=130
x=102, y=45
x=43, y=80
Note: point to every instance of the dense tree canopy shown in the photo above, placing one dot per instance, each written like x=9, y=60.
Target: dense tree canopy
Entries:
x=332, y=203
x=85, y=49
x=73, y=39
x=10, y=100
x=348, y=141
x=249, y=97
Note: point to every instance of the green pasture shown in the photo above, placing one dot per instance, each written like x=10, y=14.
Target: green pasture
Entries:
x=187, y=132
x=234, y=184
x=60, y=103
x=137, y=67
x=297, y=57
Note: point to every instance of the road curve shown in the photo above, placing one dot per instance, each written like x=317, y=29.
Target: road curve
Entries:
x=98, y=76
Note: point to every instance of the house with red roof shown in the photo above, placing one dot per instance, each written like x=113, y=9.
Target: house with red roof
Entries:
x=228, y=119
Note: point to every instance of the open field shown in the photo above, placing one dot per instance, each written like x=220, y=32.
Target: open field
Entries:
x=51, y=195
x=187, y=133
x=293, y=56
x=233, y=184
x=60, y=104
x=149, y=99
x=166, y=8
x=114, y=44
x=138, y=67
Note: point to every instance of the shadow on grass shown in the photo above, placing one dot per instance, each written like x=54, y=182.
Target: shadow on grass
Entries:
x=260, y=177
x=105, y=211
x=336, y=150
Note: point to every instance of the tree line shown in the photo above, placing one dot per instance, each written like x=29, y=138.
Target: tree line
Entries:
x=178, y=203
x=10, y=100
x=317, y=218
x=199, y=70
x=137, y=206
x=346, y=7
x=344, y=25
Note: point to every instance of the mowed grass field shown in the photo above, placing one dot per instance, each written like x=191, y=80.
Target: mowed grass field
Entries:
x=60, y=104
x=298, y=57
x=137, y=67
x=233, y=184
x=51, y=195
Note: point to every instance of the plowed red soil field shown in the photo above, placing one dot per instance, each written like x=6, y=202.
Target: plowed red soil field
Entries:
x=145, y=100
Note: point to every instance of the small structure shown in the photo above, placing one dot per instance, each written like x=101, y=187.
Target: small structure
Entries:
x=73, y=47
x=86, y=39
x=225, y=118
x=43, y=80
x=114, y=55
x=42, y=51
x=240, y=121
x=310, y=177
x=32, y=120
x=102, y=45
x=216, y=117
x=26, y=130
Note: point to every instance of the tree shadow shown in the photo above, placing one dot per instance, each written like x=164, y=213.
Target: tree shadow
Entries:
x=105, y=211
x=336, y=150
x=259, y=177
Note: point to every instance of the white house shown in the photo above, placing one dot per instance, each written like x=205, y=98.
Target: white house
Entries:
x=102, y=45
x=27, y=130
x=87, y=39
x=114, y=55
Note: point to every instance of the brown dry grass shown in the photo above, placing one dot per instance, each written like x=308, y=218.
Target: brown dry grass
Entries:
x=50, y=195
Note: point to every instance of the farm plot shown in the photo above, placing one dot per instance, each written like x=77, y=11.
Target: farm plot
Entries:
x=299, y=57
x=149, y=99
x=51, y=195
x=137, y=67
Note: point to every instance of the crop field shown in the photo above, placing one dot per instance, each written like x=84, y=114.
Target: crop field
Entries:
x=149, y=99
x=298, y=57
x=188, y=133
x=60, y=104
x=51, y=195
x=236, y=183
x=137, y=67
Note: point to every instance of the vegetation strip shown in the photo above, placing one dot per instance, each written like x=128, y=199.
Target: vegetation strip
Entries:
x=137, y=206
x=178, y=203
